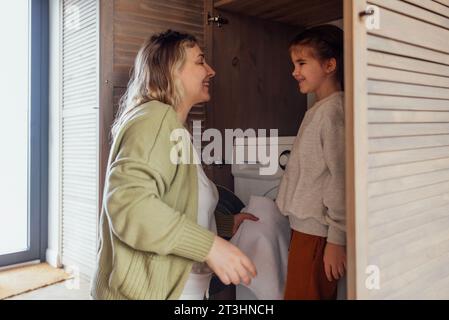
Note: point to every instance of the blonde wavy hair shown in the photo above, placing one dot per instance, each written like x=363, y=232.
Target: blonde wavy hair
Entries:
x=154, y=74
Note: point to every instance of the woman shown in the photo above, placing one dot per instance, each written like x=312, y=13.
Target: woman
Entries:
x=157, y=230
x=312, y=191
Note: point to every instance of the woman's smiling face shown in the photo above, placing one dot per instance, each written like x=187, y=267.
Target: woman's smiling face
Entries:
x=308, y=70
x=195, y=77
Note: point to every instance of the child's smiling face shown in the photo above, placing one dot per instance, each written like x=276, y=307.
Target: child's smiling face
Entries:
x=310, y=72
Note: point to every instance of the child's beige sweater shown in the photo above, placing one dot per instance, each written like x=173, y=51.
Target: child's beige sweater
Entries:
x=312, y=191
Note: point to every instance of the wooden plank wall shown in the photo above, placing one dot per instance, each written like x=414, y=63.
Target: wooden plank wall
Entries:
x=135, y=20
x=124, y=27
x=292, y=12
x=408, y=149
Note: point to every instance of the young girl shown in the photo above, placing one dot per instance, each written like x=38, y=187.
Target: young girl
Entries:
x=312, y=191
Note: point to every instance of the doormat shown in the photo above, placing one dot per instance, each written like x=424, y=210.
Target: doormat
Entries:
x=24, y=279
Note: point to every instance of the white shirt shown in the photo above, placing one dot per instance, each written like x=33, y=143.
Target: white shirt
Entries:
x=197, y=284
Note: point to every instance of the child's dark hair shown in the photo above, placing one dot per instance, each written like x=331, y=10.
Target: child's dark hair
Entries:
x=326, y=42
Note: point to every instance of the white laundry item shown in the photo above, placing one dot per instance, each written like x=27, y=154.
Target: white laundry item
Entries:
x=197, y=284
x=266, y=243
x=196, y=287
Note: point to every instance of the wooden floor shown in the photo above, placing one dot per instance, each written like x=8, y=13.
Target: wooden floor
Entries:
x=61, y=291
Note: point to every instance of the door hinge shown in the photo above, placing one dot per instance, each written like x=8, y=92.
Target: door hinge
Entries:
x=216, y=20
x=372, y=17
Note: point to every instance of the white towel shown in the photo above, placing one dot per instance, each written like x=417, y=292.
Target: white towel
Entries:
x=266, y=243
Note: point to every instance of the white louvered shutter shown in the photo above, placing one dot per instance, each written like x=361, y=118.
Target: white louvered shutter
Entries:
x=402, y=154
x=80, y=101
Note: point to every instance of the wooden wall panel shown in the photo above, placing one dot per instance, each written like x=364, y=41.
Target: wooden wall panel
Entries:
x=136, y=20
x=128, y=23
x=124, y=27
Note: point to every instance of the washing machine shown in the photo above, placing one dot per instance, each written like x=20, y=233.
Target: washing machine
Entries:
x=248, y=179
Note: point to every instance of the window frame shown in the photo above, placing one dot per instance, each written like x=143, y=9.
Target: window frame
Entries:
x=38, y=138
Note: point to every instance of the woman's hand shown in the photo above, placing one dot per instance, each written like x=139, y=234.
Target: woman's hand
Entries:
x=334, y=261
x=229, y=263
x=240, y=217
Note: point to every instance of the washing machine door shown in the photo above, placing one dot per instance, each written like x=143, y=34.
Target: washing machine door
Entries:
x=228, y=202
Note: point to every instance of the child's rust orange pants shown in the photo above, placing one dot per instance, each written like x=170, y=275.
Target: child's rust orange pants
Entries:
x=306, y=278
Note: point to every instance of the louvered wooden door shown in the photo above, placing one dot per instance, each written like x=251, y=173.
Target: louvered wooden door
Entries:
x=79, y=128
x=398, y=148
